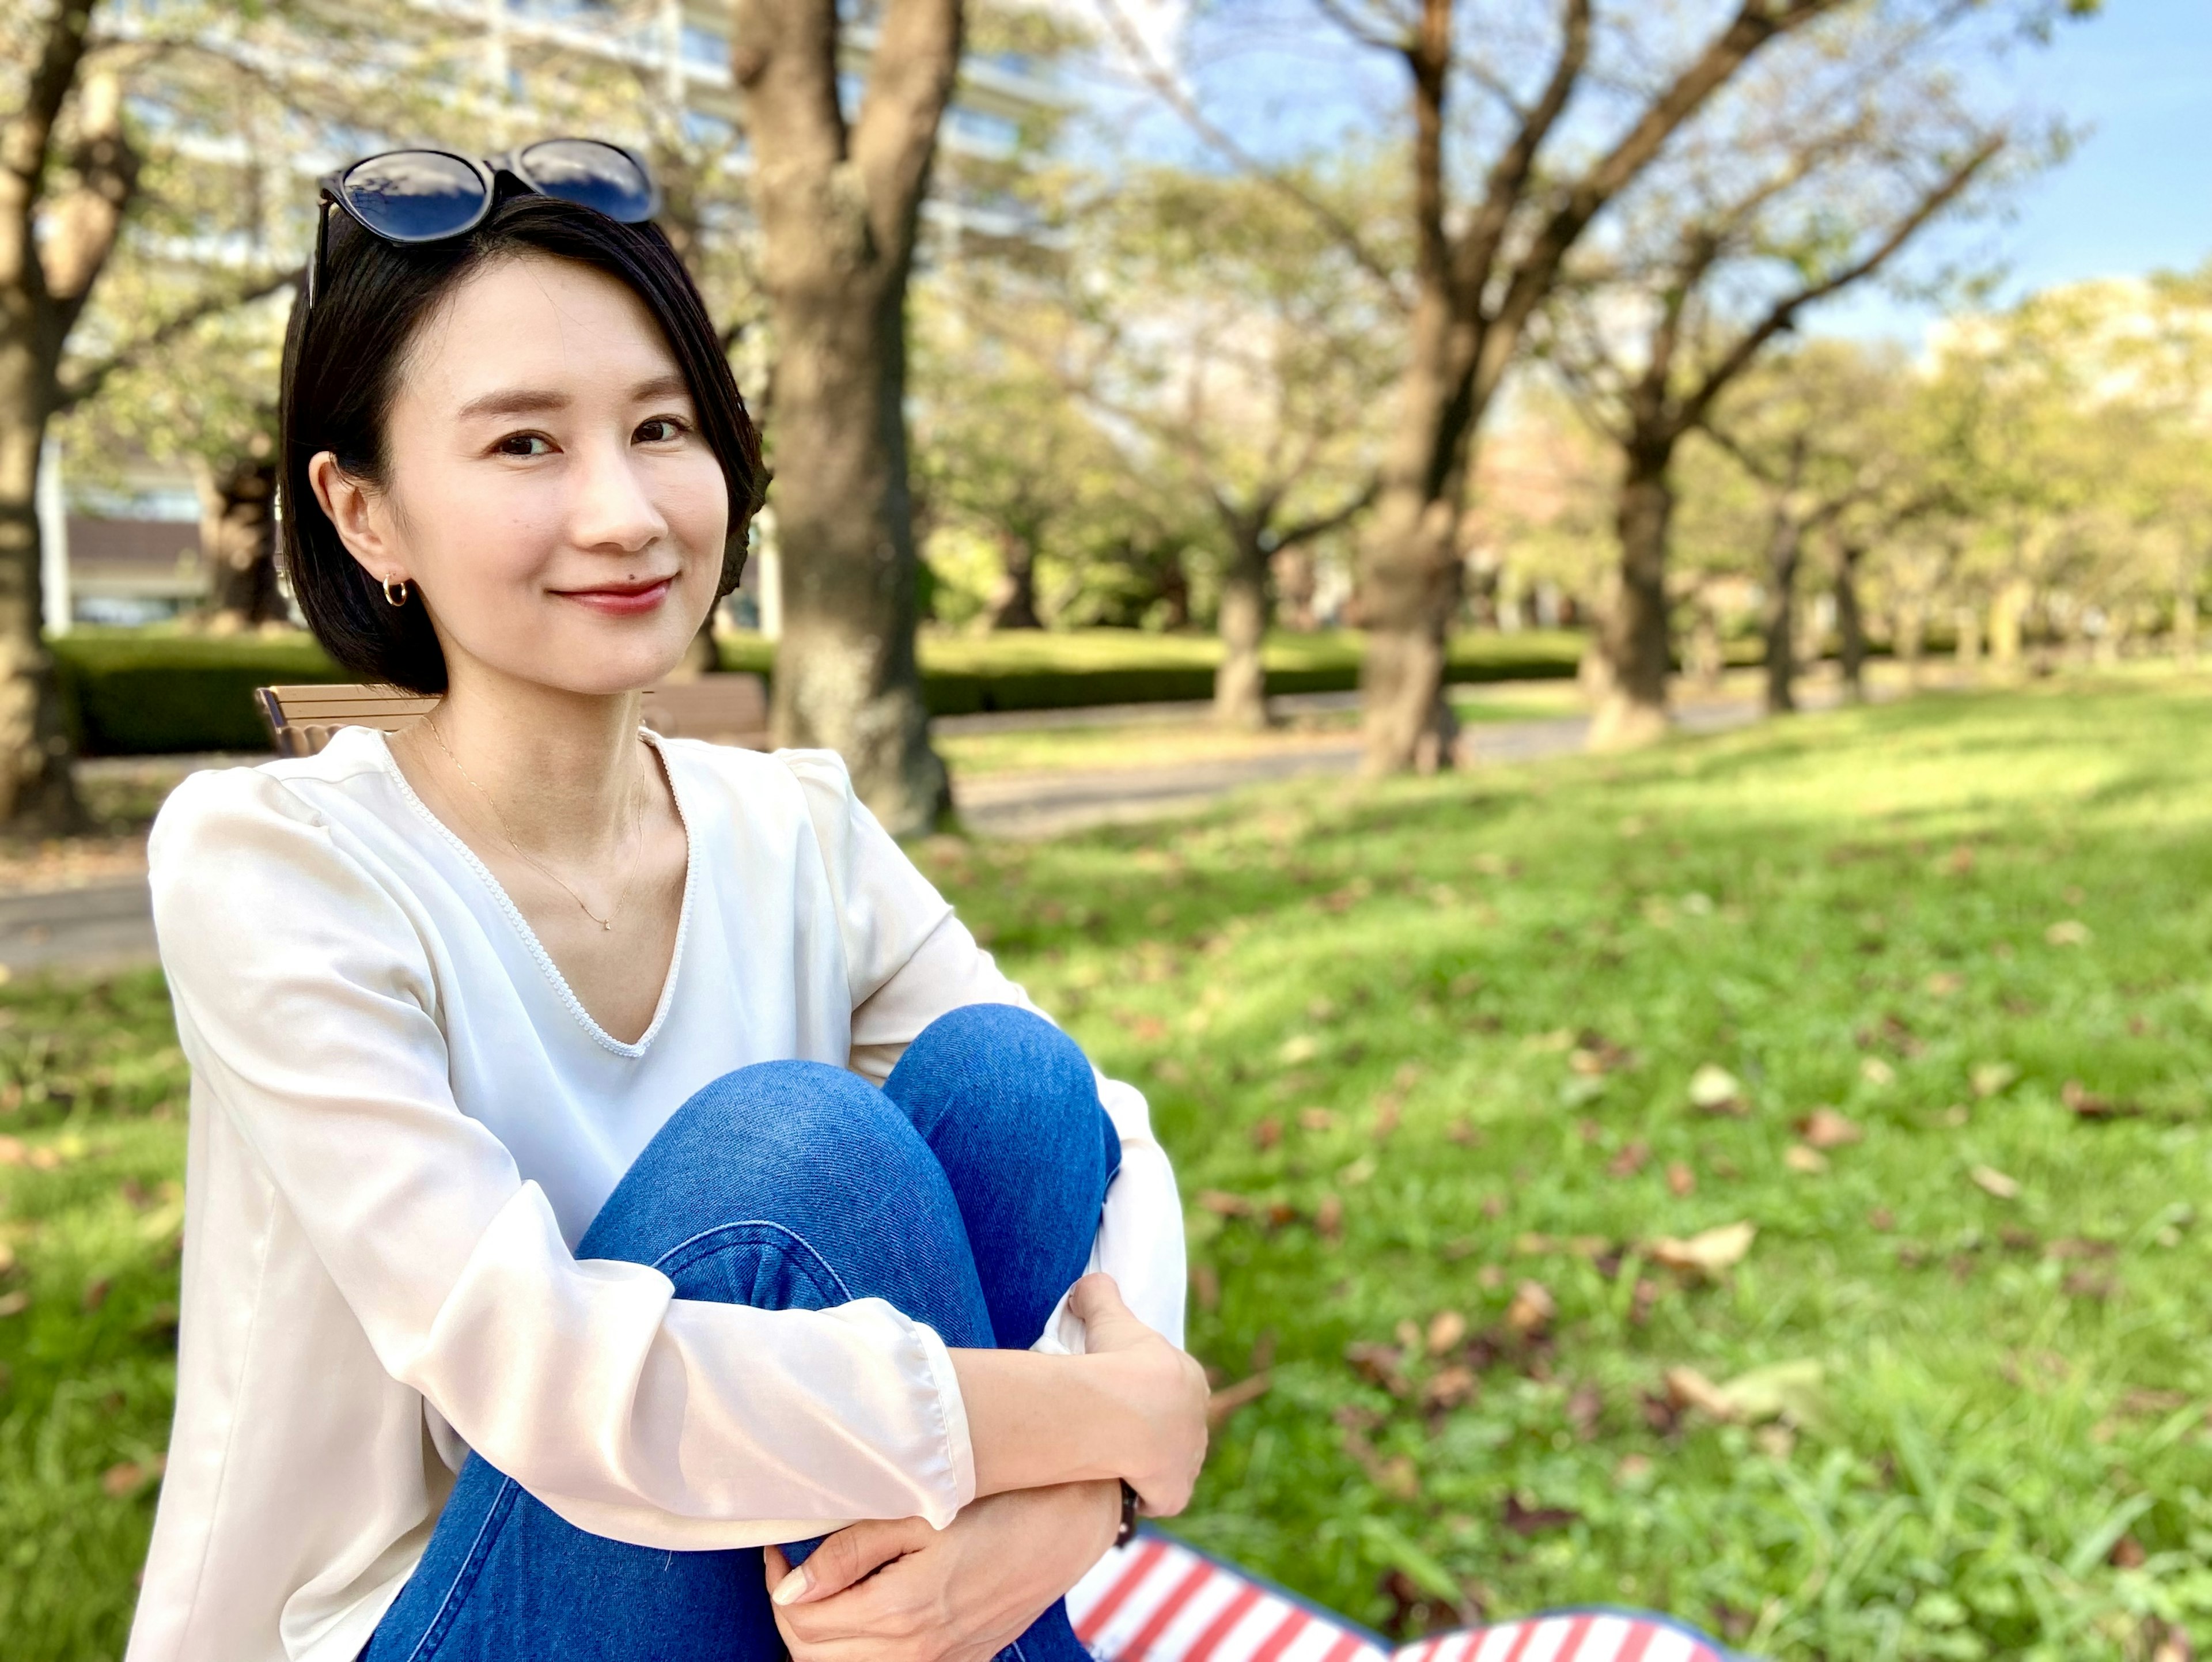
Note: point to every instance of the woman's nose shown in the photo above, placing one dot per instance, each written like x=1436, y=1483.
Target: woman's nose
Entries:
x=614, y=507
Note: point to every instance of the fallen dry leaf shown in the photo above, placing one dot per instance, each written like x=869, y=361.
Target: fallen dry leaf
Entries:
x=1532, y=1309
x=15, y=1303
x=1206, y=1285
x=1632, y=1468
x=1823, y=1128
x=1991, y=1077
x=2087, y=1104
x=1780, y=1391
x=1316, y=1119
x=1881, y=1219
x=1944, y=982
x=1714, y=1090
x=1227, y=1400
x=1267, y=1133
x=1525, y=1519
x=1328, y=1217
x=1681, y=1179
x=1874, y=1071
x=1811, y=1162
x=1991, y=1181
x=1304, y=1048
x=1708, y=1252
x=1446, y=1329
x=1585, y=1406
x=127, y=1477
x=1686, y=1388
x=1223, y=1204
x=12, y=1151
x=1630, y=1160
x=1450, y=1387
x=1463, y=1131
x=2067, y=932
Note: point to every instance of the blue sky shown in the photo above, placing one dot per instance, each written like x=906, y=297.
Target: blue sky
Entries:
x=2136, y=195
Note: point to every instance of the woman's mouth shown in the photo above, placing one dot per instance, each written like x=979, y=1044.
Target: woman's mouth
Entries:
x=621, y=600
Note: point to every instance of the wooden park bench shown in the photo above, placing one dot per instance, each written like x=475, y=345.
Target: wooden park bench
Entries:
x=723, y=709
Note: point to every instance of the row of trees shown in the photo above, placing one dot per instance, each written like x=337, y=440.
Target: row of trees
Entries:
x=1289, y=338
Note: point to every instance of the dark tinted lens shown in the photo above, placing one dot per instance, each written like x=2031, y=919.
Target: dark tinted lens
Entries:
x=415, y=196
x=584, y=170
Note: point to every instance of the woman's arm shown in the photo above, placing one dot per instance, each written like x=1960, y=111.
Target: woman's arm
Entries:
x=306, y=1003
x=1132, y=1407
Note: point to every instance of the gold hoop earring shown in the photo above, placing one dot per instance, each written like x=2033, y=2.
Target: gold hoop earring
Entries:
x=395, y=600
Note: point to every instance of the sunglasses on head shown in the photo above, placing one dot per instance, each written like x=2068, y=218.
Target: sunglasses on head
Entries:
x=428, y=196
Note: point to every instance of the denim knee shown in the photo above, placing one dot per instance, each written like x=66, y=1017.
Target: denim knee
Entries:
x=779, y=1141
x=997, y=1060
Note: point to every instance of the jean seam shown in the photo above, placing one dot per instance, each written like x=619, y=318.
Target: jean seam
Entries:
x=470, y=1562
x=790, y=1234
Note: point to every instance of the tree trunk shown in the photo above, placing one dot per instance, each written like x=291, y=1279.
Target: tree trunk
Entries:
x=1240, y=685
x=1910, y=626
x=1968, y=652
x=1013, y=605
x=1633, y=646
x=1295, y=588
x=38, y=791
x=1409, y=565
x=1784, y=547
x=1850, y=624
x=238, y=540
x=2007, y=621
x=2185, y=622
x=838, y=210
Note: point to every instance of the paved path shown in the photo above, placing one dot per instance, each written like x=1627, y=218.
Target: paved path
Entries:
x=1052, y=803
x=107, y=924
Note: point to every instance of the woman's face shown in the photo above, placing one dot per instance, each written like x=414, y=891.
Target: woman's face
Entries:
x=549, y=496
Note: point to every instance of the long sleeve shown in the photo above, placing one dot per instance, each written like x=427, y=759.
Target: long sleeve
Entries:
x=910, y=960
x=307, y=1003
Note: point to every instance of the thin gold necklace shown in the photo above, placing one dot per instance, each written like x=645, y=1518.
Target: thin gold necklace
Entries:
x=540, y=866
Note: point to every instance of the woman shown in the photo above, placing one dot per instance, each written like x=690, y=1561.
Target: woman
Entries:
x=610, y=1159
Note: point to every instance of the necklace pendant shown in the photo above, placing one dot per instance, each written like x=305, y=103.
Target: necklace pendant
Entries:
x=607, y=924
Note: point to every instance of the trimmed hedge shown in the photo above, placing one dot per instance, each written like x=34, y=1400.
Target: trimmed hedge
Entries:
x=128, y=692
x=962, y=674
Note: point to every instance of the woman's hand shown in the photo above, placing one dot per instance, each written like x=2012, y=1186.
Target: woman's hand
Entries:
x=1132, y=1406
x=1163, y=1387
x=901, y=1592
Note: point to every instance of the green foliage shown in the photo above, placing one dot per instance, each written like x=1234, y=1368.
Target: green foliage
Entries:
x=141, y=693
x=1523, y=969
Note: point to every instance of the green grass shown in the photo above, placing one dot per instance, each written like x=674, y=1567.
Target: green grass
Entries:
x=2007, y=1455
x=1495, y=991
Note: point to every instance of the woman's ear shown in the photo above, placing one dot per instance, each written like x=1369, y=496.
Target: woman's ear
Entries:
x=352, y=512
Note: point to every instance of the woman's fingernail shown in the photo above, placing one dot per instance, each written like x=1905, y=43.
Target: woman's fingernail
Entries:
x=791, y=1588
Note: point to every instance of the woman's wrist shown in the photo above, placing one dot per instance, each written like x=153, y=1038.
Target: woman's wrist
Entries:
x=1035, y=1421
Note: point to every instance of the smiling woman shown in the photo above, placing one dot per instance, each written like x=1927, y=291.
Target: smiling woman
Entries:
x=615, y=1173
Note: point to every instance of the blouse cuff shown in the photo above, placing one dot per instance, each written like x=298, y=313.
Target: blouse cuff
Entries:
x=959, y=1452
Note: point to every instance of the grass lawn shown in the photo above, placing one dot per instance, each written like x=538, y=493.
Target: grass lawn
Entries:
x=1431, y=1060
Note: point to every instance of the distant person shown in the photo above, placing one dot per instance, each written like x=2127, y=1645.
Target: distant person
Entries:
x=610, y=1157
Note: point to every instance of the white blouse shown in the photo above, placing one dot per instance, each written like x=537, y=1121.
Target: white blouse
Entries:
x=402, y=1122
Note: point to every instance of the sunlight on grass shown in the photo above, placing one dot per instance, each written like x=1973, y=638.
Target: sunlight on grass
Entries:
x=1422, y=1051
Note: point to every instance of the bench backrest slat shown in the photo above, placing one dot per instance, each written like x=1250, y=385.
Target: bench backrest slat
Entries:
x=722, y=710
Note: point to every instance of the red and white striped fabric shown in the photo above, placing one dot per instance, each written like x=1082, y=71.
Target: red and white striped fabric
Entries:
x=1156, y=1600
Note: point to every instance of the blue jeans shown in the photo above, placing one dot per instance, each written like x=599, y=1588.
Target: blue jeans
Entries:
x=966, y=1193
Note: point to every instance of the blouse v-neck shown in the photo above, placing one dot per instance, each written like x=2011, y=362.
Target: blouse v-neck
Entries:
x=529, y=936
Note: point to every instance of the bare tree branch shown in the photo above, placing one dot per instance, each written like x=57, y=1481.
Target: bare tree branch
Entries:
x=1164, y=86
x=1508, y=180
x=1784, y=313
x=89, y=380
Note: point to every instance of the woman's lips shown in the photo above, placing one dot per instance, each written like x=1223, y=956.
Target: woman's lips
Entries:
x=622, y=601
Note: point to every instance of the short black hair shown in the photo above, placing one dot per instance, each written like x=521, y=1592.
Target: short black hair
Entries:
x=342, y=360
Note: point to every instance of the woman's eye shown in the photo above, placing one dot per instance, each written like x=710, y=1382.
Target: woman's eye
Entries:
x=659, y=430
x=524, y=444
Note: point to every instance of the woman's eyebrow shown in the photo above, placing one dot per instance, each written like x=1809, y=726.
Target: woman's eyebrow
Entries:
x=670, y=385
x=514, y=401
